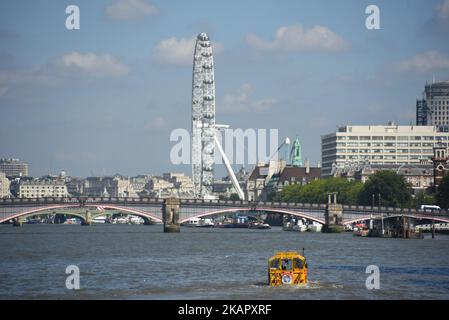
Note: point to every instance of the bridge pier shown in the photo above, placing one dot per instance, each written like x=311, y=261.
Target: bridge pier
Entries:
x=170, y=215
x=333, y=216
x=87, y=219
x=18, y=222
x=148, y=222
x=395, y=227
x=433, y=228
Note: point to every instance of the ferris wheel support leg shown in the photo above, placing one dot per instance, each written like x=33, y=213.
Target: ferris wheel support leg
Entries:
x=235, y=183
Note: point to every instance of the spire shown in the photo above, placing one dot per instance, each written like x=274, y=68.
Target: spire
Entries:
x=296, y=155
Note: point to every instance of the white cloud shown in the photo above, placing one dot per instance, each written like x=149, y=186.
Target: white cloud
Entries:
x=296, y=38
x=89, y=65
x=36, y=76
x=241, y=102
x=438, y=25
x=176, y=52
x=264, y=104
x=156, y=124
x=96, y=65
x=131, y=10
x=443, y=10
x=427, y=61
x=234, y=103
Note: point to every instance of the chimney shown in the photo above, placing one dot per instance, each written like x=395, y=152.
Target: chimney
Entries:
x=307, y=163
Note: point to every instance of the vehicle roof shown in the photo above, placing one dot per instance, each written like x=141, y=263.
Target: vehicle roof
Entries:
x=287, y=254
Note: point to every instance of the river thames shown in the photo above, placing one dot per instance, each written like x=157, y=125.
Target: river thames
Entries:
x=142, y=262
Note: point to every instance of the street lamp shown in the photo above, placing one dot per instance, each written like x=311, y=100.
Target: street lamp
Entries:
x=378, y=202
x=329, y=195
x=381, y=214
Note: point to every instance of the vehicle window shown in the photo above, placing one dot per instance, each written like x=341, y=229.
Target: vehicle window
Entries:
x=298, y=263
x=286, y=264
x=274, y=264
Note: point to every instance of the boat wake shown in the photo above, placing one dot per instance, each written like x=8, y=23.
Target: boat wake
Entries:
x=310, y=285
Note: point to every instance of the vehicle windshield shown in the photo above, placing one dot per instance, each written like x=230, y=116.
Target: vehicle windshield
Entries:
x=298, y=263
x=286, y=264
x=274, y=264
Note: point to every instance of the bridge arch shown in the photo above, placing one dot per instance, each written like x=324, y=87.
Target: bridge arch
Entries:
x=268, y=210
x=418, y=217
x=36, y=211
x=73, y=214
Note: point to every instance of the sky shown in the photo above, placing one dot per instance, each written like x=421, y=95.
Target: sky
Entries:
x=104, y=99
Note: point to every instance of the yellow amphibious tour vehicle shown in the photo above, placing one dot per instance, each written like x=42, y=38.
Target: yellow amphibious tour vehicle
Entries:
x=287, y=268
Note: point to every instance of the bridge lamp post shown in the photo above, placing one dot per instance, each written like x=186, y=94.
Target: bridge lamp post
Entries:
x=332, y=195
x=381, y=214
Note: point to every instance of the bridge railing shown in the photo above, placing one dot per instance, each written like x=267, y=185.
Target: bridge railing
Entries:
x=80, y=200
x=196, y=202
x=392, y=210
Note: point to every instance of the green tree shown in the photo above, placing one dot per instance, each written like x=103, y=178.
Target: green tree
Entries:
x=313, y=192
x=316, y=191
x=291, y=193
x=442, y=195
x=423, y=197
x=393, y=189
x=274, y=196
x=234, y=197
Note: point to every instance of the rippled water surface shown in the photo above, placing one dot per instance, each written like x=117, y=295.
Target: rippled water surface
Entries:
x=141, y=262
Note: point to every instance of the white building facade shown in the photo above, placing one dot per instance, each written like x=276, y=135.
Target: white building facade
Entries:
x=379, y=145
x=433, y=109
x=4, y=186
x=42, y=188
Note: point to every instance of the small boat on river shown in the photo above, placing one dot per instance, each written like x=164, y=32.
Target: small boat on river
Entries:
x=259, y=225
x=287, y=268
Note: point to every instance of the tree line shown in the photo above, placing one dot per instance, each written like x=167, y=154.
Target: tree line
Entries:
x=385, y=188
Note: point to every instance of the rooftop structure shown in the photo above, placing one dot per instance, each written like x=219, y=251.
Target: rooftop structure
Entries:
x=433, y=108
x=13, y=167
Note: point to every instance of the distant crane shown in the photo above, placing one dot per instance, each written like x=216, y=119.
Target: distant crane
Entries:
x=285, y=143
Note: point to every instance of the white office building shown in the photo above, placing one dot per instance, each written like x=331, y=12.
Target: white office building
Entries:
x=379, y=145
x=42, y=188
x=433, y=109
x=4, y=186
